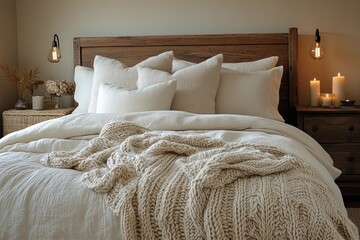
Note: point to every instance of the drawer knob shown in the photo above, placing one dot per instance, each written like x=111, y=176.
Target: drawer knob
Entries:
x=315, y=128
x=351, y=128
x=351, y=159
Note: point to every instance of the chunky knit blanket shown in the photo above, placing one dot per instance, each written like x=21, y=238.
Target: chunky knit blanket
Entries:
x=166, y=185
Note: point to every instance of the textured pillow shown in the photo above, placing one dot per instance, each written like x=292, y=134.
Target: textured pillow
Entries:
x=252, y=66
x=253, y=93
x=83, y=78
x=116, y=73
x=113, y=99
x=196, y=85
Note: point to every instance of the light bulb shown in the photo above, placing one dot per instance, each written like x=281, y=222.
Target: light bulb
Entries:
x=316, y=51
x=55, y=55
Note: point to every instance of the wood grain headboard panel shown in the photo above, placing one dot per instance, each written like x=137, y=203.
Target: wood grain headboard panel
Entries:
x=197, y=48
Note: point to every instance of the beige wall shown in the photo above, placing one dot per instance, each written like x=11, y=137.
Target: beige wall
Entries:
x=8, y=53
x=337, y=20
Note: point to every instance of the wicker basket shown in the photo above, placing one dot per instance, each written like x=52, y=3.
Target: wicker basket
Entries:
x=14, y=120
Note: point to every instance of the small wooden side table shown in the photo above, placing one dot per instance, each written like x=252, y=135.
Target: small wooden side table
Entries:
x=338, y=132
x=14, y=120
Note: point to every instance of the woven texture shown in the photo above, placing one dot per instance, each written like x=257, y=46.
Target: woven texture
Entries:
x=15, y=120
x=170, y=186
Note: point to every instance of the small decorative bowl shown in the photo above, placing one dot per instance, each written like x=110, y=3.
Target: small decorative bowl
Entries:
x=348, y=102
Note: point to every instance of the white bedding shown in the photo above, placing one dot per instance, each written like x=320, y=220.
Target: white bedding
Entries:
x=37, y=202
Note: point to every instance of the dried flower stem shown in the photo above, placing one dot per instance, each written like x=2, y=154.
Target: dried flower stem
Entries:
x=24, y=81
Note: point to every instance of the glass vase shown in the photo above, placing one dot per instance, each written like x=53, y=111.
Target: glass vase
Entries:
x=56, y=101
x=20, y=104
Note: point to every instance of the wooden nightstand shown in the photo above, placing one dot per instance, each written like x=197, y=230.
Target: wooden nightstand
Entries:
x=14, y=120
x=338, y=131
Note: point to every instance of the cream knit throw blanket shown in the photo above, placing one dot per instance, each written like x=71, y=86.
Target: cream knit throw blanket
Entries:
x=170, y=186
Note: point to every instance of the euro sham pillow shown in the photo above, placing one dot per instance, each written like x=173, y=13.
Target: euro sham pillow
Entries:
x=114, y=72
x=114, y=99
x=83, y=78
x=252, y=93
x=196, y=85
x=251, y=66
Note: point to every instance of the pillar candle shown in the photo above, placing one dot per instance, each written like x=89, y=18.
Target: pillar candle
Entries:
x=315, y=92
x=338, y=88
x=327, y=99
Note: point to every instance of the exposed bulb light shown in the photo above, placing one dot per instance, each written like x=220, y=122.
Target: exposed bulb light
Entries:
x=55, y=55
x=316, y=51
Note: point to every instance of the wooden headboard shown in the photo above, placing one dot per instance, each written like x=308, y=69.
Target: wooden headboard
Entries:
x=197, y=48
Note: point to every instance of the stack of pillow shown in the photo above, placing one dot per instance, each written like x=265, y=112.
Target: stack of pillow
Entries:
x=164, y=82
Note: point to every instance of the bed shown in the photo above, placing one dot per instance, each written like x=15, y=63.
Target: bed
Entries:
x=194, y=142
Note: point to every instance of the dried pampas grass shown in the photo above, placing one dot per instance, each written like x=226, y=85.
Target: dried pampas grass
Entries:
x=25, y=81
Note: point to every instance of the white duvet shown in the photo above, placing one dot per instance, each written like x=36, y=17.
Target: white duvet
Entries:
x=37, y=202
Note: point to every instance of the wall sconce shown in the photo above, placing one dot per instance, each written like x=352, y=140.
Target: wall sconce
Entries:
x=316, y=51
x=55, y=55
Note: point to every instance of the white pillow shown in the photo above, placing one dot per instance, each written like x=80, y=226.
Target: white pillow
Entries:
x=113, y=99
x=114, y=72
x=196, y=85
x=253, y=93
x=83, y=78
x=252, y=66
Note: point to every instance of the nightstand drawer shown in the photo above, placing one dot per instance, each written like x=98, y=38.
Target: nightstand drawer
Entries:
x=333, y=129
x=346, y=156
